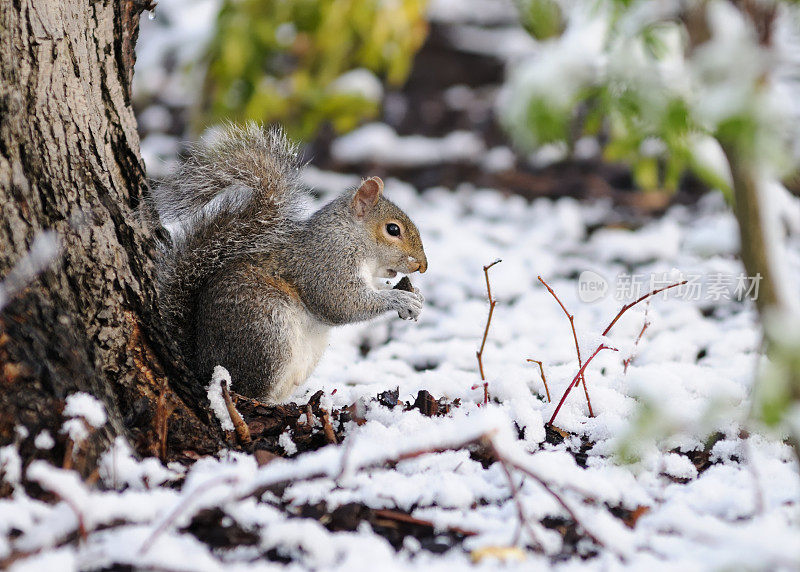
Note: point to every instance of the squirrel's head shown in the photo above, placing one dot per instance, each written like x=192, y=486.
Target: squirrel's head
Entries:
x=399, y=246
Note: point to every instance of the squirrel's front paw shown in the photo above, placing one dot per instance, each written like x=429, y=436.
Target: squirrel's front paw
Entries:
x=407, y=304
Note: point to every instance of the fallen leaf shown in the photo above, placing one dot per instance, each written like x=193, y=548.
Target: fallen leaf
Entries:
x=503, y=553
x=636, y=514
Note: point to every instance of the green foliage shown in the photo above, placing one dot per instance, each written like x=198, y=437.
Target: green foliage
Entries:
x=631, y=72
x=670, y=86
x=777, y=400
x=542, y=18
x=278, y=60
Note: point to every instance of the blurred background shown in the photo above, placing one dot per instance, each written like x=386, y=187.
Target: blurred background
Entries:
x=535, y=97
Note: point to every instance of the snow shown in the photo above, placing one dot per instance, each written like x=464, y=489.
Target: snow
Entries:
x=379, y=143
x=741, y=511
x=85, y=406
x=688, y=388
x=486, y=12
x=285, y=441
x=361, y=82
x=44, y=440
x=82, y=411
x=219, y=376
x=44, y=250
x=180, y=30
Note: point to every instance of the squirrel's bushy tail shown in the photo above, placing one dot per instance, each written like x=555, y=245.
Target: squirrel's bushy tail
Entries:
x=262, y=161
x=235, y=193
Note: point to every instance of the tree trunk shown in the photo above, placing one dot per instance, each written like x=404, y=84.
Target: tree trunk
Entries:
x=749, y=211
x=69, y=161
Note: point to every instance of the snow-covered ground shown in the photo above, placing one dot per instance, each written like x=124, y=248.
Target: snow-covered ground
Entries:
x=690, y=380
x=667, y=474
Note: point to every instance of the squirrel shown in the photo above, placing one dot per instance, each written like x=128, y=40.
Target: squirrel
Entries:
x=249, y=284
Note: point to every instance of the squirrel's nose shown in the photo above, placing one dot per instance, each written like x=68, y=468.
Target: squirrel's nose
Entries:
x=421, y=263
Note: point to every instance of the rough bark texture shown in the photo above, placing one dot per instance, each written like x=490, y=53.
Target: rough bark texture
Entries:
x=69, y=161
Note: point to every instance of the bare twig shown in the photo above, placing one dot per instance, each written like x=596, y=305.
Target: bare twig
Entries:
x=181, y=507
x=258, y=490
x=397, y=516
x=69, y=448
x=327, y=428
x=576, y=379
x=547, y=487
x=523, y=521
x=73, y=450
x=571, y=319
x=242, y=430
x=544, y=379
x=627, y=307
x=78, y=514
x=645, y=325
x=479, y=353
x=485, y=441
x=624, y=309
x=506, y=463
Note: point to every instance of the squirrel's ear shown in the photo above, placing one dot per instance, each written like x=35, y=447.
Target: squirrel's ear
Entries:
x=366, y=196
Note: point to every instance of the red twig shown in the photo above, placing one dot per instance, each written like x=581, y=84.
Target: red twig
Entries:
x=575, y=380
x=544, y=379
x=571, y=319
x=622, y=310
x=627, y=307
x=645, y=325
x=479, y=353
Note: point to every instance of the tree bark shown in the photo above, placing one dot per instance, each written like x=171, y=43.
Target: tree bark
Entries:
x=69, y=161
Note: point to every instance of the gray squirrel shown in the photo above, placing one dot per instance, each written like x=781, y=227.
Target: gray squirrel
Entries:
x=249, y=284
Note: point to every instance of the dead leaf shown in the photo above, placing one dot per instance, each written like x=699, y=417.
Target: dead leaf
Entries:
x=503, y=553
x=638, y=512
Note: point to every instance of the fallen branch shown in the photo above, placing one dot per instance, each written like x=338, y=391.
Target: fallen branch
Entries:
x=546, y=486
x=181, y=507
x=571, y=319
x=396, y=516
x=479, y=353
x=544, y=379
x=484, y=440
x=523, y=521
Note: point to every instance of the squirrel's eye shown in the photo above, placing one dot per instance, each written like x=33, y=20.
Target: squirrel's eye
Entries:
x=393, y=229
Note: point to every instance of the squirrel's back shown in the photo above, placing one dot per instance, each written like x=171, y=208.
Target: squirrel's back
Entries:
x=236, y=193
